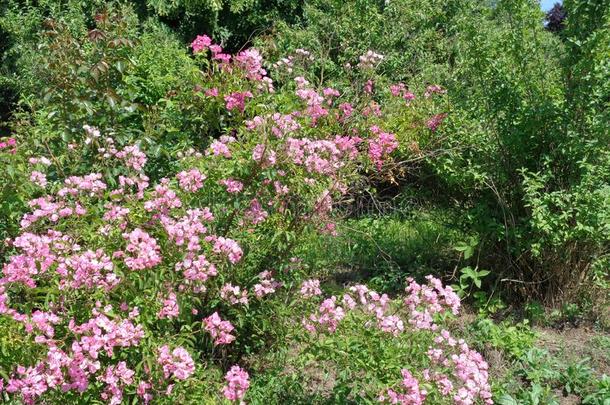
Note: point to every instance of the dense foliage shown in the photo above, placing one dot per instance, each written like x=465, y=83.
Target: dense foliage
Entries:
x=208, y=201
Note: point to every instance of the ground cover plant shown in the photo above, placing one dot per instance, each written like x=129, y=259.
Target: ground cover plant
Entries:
x=398, y=202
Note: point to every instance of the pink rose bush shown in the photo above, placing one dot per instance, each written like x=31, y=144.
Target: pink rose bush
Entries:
x=123, y=287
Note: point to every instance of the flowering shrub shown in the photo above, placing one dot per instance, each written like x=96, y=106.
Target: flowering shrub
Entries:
x=129, y=287
x=370, y=347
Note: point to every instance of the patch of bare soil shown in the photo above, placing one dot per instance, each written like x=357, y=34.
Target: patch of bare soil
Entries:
x=577, y=344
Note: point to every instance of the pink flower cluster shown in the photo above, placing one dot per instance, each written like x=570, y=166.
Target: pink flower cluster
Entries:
x=72, y=370
x=255, y=214
x=9, y=143
x=369, y=60
x=264, y=155
x=176, y=363
x=196, y=268
x=38, y=178
x=228, y=247
x=251, y=61
x=267, y=285
x=470, y=370
x=435, y=121
x=201, y=43
x=382, y=145
x=133, y=156
x=434, y=89
x=187, y=229
x=233, y=186
x=237, y=384
x=40, y=252
x=281, y=124
x=48, y=207
x=191, y=180
x=90, y=184
x=220, y=148
x=219, y=329
x=170, y=308
x=315, y=102
x=424, y=301
x=328, y=317
x=234, y=294
x=163, y=199
x=400, y=90
x=237, y=100
x=116, y=378
x=318, y=156
x=412, y=395
x=88, y=270
x=145, y=252
x=310, y=288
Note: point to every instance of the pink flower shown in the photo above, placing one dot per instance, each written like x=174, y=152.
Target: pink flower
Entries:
x=196, y=268
x=220, y=149
x=228, y=247
x=213, y=92
x=10, y=142
x=435, y=121
x=170, y=307
x=408, y=96
x=310, y=288
x=177, y=364
x=191, y=180
x=391, y=324
x=264, y=154
x=115, y=378
x=412, y=395
x=383, y=144
x=251, y=61
x=142, y=391
x=187, y=229
x=201, y=43
x=133, y=157
x=347, y=110
x=88, y=270
x=237, y=383
x=38, y=178
x=219, y=329
x=233, y=186
x=426, y=300
x=163, y=199
x=233, y=294
x=328, y=317
x=397, y=89
x=144, y=249
x=267, y=286
x=215, y=48
x=369, y=60
x=237, y=100
x=255, y=214
x=434, y=89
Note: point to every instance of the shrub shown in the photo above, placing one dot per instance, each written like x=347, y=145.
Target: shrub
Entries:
x=116, y=281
